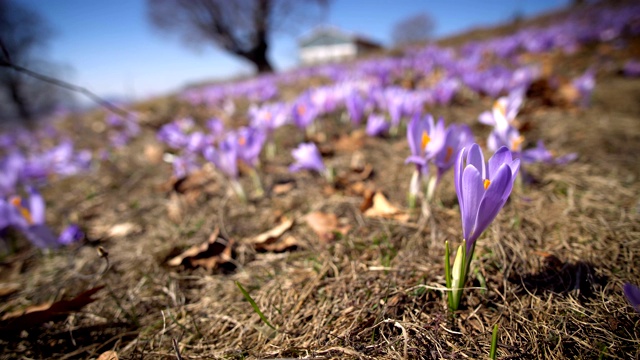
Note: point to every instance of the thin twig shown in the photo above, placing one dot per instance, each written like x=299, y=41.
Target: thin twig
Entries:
x=6, y=62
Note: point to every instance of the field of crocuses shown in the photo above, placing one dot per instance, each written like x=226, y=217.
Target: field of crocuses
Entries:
x=477, y=201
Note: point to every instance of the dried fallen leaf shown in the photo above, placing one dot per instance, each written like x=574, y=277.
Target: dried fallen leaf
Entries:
x=325, y=225
x=108, y=355
x=288, y=243
x=16, y=321
x=381, y=207
x=351, y=142
x=122, y=229
x=211, y=254
x=153, y=153
x=271, y=236
x=175, y=208
x=283, y=188
x=9, y=288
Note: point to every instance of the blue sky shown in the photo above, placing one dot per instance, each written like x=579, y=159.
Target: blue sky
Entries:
x=110, y=47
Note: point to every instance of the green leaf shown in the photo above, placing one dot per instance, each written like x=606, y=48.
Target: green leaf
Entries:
x=458, y=275
x=254, y=306
x=494, y=343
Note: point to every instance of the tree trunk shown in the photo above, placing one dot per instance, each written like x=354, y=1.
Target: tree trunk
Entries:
x=258, y=56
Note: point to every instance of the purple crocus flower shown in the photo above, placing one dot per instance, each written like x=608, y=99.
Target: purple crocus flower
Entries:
x=482, y=189
x=250, y=143
x=585, y=84
x=355, y=105
x=304, y=112
x=225, y=157
x=307, y=156
x=425, y=140
x=631, y=68
x=70, y=234
x=184, y=164
x=632, y=293
x=541, y=154
x=456, y=138
x=377, y=125
x=504, y=111
x=216, y=127
x=10, y=169
x=29, y=218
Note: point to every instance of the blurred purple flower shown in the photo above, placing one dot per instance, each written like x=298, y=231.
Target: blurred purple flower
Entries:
x=377, y=125
x=482, y=189
x=632, y=293
x=216, y=128
x=184, y=164
x=304, y=112
x=456, y=138
x=269, y=116
x=307, y=157
x=631, y=68
x=29, y=218
x=225, y=156
x=70, y=235
x=250, y=143
x=585, y=84
x=504, y=111
x=540, y=154
x=355, y=105
x=425, y=140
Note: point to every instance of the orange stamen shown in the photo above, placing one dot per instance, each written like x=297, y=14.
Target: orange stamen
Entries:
x=17, y=202
x=302, y=109
x=517, y=143
x=486, y=183
x=242, y=141
x=425, y=140
x=499, y=106
x=447, y=157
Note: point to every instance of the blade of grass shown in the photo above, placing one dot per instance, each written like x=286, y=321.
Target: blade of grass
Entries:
x=494, y=343
x=254, y=306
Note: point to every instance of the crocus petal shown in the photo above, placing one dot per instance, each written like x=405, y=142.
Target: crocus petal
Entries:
x=493, y=200
x=418, y=160
x=472, y=193
x=502, y=156
x=632, y=293
x=487, y=118
x=476, y=159
x=457, y=175
x=36, y=206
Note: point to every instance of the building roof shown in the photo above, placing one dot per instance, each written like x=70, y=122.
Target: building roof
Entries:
x=329, y=35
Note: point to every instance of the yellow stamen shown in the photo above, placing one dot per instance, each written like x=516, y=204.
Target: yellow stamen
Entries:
x=17, y=202
x=517, y=143
x=425, y=140
x=486, y=183
x=449, y=154
x=499, y=106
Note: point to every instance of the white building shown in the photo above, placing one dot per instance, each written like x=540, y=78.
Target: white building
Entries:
x=329, y=44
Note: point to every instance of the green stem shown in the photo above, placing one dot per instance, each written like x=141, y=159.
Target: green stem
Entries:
x=494, y=343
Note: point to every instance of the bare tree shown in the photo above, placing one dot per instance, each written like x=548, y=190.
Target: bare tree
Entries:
x=241, y=27
x=416, y=28
x=23, y=36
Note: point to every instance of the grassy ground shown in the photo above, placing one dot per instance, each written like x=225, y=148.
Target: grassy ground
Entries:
x=549, y=270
